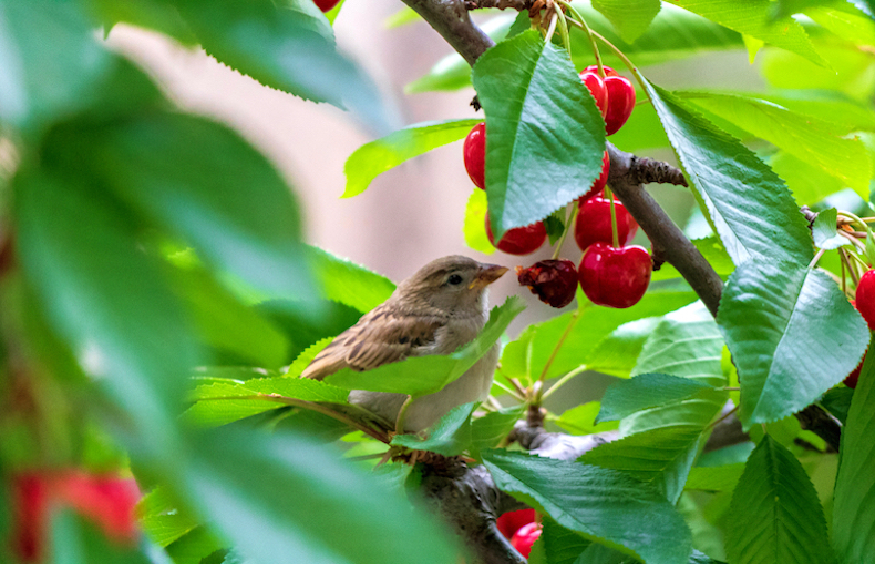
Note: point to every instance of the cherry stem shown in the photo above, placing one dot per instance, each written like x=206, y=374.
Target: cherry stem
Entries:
x=615, y=236
x=562, y=381
x=580, y=22
x=569, y=222
x=842, y=261
x=571, y=323
x=563, y=32
x=851, y=270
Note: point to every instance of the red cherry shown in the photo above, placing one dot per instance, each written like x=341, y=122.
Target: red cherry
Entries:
x=593, y=223
x=510, y=523
x=599, y=184
x=621, y=100
x=851, y=379
x=326, y=5
x=614, y=277
x=474, y=152
x=596, y=86
x=553, y=281
x=526, y=537
x=520, y=240
x=865, y=302
x=595, y=70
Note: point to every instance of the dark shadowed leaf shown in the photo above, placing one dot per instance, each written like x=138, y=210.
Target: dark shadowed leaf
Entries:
x=783, y=520
x=853, y=521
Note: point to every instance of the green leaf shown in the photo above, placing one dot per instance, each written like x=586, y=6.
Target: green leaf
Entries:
x=854, y=509
x=433, y=371
x=555, y=226
x=662, y=457
x=376, y=157
x=716, y=479
x=450, y=436
x=753, y=17
x=580, y=420
x=809, y=183
x=475, y=223
x=619, y=510
x=625, y=397
x=753, y=211
x=306, y=357
x=812, y=139
x=617, y=353
x=792, y=334
x=783, y=520
x=204, y=182
x=824, y=231
x=630, y=18
x=161, y=519
x=50, y=61
x=712, y=251
x=491, y=429
x=232, y=328
x=303, y=496
x=534, y=104
x=107, y=299
x=289, y=47
x=687, y=344
x=220, y=403
x=581, y=345
x=561, y=546
x=346, y=282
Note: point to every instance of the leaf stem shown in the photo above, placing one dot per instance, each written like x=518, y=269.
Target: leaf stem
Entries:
x=817, y=257
x=571, y=322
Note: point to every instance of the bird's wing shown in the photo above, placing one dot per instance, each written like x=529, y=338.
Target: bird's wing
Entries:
x=380, y=337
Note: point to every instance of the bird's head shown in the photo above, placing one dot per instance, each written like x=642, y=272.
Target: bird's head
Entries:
x=451, y=284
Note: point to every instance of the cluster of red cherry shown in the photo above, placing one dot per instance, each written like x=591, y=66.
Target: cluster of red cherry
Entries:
x=107, y=500
x=610, y=273
x=865, y=303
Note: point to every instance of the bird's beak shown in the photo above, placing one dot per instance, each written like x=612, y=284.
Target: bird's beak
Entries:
x=486, y=275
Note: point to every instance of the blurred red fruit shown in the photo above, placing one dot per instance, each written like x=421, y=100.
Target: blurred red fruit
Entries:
x=510, y=522
x=30, y=502
x=520, y=240
x=526, y=537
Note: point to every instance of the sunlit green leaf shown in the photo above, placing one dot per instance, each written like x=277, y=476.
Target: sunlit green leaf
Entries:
x=630, y=18
x=475, y=223
x=376, y=157
x=646, y=391
x=752, y=210
x=754, y=18
x=346, y=282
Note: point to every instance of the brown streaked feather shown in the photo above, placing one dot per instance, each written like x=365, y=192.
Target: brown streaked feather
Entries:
x=380, y=337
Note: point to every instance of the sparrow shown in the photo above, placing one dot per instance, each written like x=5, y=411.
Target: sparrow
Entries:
x=438, y=309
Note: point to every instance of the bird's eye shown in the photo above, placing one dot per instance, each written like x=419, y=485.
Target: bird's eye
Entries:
x=454, y=279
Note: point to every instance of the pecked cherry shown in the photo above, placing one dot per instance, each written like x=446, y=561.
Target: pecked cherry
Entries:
x=553, y=281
